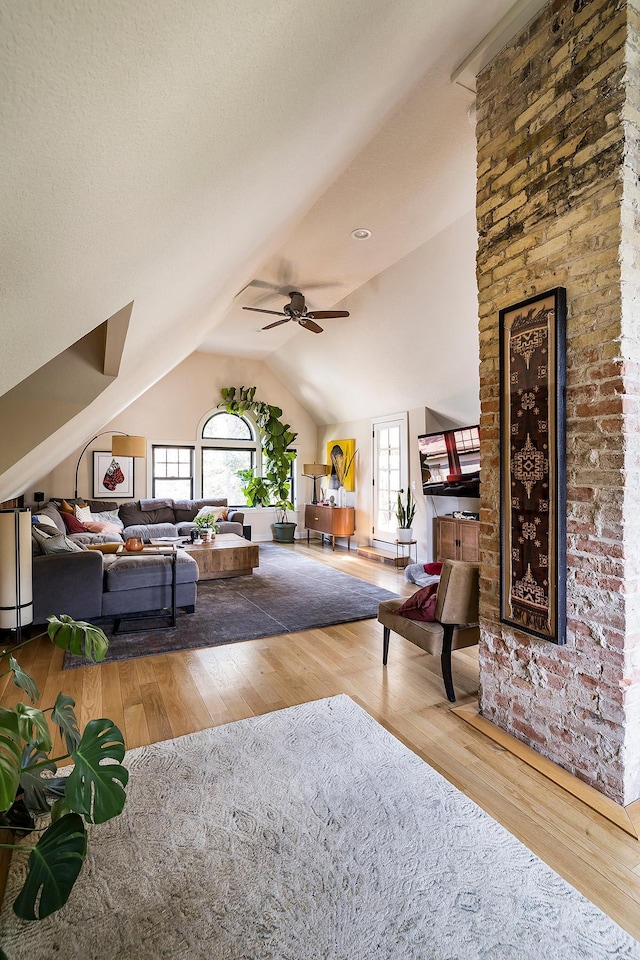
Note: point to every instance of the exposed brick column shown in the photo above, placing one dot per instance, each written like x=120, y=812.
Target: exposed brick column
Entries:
x=558, y=199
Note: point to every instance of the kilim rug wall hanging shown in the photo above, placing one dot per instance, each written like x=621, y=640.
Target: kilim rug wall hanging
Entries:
x=532, y=465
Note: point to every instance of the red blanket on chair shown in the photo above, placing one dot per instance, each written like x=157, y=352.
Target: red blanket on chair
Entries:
x=421, y=605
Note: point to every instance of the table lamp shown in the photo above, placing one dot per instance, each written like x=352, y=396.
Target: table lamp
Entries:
x=313, y=471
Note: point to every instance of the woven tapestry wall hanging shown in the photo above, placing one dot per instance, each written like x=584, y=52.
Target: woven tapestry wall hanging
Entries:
x=532, y=466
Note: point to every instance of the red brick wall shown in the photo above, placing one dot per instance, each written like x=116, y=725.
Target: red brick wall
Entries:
x=557, y=130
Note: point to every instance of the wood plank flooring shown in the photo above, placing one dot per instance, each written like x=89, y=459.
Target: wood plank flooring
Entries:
x=166, y=696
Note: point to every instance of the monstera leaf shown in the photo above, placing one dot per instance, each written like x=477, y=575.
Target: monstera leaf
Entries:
x=23, y=680
x=78, y=637
x=53, y=868
x=36, y=786
x=95, y=788
x=10, y=755
x=33, y=726
x=64, y=716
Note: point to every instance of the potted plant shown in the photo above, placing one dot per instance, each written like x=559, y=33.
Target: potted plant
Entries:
x=35, y=801
x=283, y=528
x=405, y=512
x=207, y=527
x=274, y=487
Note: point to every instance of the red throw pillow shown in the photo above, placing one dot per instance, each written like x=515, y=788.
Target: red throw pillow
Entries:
x=421, y=605
x=433, y=569
x=72, y=524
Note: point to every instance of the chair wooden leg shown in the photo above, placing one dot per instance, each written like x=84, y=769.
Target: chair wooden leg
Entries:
x=385, y=645
x=445, y=661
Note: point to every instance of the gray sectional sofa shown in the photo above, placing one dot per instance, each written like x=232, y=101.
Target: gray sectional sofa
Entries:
x=87, y=584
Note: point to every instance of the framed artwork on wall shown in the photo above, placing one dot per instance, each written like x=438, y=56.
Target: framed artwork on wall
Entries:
x=112, y=476
x=532, y=466
x=341, y=455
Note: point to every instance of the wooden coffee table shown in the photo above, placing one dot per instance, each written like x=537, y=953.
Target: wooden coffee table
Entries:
x=227, y=556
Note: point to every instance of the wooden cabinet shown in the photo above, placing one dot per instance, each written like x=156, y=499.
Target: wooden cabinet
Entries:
x=330, y=521
x=457, y=539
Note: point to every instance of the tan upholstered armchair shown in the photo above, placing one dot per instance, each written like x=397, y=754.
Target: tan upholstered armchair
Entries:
x=456, y=618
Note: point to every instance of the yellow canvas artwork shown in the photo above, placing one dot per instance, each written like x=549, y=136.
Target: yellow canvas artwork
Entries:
x=341, y=455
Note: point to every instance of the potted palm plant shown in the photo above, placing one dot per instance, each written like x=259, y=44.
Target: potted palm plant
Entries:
x=405, y=512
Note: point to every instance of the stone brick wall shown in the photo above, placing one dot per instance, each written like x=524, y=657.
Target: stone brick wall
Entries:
x=558, y=198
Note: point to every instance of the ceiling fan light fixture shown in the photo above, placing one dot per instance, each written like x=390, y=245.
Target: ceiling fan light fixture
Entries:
x=361, y=233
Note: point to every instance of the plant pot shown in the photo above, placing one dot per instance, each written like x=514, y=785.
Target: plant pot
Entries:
x=207, y=535
x=284, y=532
x=404, y=534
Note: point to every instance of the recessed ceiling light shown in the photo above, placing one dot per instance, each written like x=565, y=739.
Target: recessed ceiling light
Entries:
x=361, y=233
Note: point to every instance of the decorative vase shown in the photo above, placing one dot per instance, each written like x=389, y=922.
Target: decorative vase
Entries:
x=342, y=497
x=404, y=534
x=133, y=544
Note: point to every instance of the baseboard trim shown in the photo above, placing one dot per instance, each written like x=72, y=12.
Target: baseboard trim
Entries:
x=627, y=818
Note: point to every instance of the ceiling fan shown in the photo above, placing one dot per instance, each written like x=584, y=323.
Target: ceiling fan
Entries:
x=296, y=310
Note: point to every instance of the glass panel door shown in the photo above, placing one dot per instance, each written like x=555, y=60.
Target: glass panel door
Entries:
x=389, y=474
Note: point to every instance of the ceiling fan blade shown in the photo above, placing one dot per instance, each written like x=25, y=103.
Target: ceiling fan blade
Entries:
x=277, y=322
x=276, y=313
x=309, y=324
x=326, y=314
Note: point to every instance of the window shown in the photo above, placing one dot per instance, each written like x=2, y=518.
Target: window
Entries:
x=172, y=475
x=236, y=448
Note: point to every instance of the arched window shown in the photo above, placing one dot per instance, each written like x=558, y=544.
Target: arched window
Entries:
x=229, y=443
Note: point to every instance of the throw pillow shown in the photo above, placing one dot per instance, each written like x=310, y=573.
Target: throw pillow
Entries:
x=72, y=524
x=218, y=513
x=60, y=544
x=65, y=507
x=45, y=522
x=108, y=516
x=101, y=526
x=82, y=512
x=421, y=605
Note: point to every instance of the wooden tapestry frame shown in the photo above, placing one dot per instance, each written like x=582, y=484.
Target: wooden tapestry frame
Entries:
x=532, y=466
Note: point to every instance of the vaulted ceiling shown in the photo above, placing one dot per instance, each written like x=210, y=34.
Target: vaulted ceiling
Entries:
x=171, y=153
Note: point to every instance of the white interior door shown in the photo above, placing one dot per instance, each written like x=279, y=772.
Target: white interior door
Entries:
x=390, y=473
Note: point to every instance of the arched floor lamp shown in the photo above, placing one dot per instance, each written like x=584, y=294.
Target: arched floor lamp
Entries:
x=122, y=445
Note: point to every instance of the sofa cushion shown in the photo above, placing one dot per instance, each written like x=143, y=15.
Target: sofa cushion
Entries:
x=57, y=543
x=134, y=573
x=150, y=531
x=72, y=524
x=131, y=514
x=218, y=513
x=185, y=510
x=51, y=511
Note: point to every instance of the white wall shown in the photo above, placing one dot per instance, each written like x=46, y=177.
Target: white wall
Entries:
x=171, y=410
x=410, y=344
x=411, y=340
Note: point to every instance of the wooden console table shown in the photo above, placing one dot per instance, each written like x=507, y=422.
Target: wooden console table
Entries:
x=330, y=522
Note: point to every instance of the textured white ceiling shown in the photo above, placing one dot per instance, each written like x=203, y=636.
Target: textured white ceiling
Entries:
x=165, y=152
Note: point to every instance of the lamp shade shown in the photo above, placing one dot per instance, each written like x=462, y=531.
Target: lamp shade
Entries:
x=316, y=469
x=128, y=446
x=16, y=601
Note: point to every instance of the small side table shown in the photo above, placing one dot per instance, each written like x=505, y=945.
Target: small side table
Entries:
x=166, y=551
x=406, y=552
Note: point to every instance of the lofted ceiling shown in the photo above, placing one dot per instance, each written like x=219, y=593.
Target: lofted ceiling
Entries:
x=171, y=154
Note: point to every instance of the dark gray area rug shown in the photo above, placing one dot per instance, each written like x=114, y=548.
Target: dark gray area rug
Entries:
x=285, y=594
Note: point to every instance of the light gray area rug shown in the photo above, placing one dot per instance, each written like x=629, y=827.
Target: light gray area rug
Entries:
x=304, y=834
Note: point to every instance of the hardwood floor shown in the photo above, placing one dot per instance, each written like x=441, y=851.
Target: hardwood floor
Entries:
x=167, y=696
